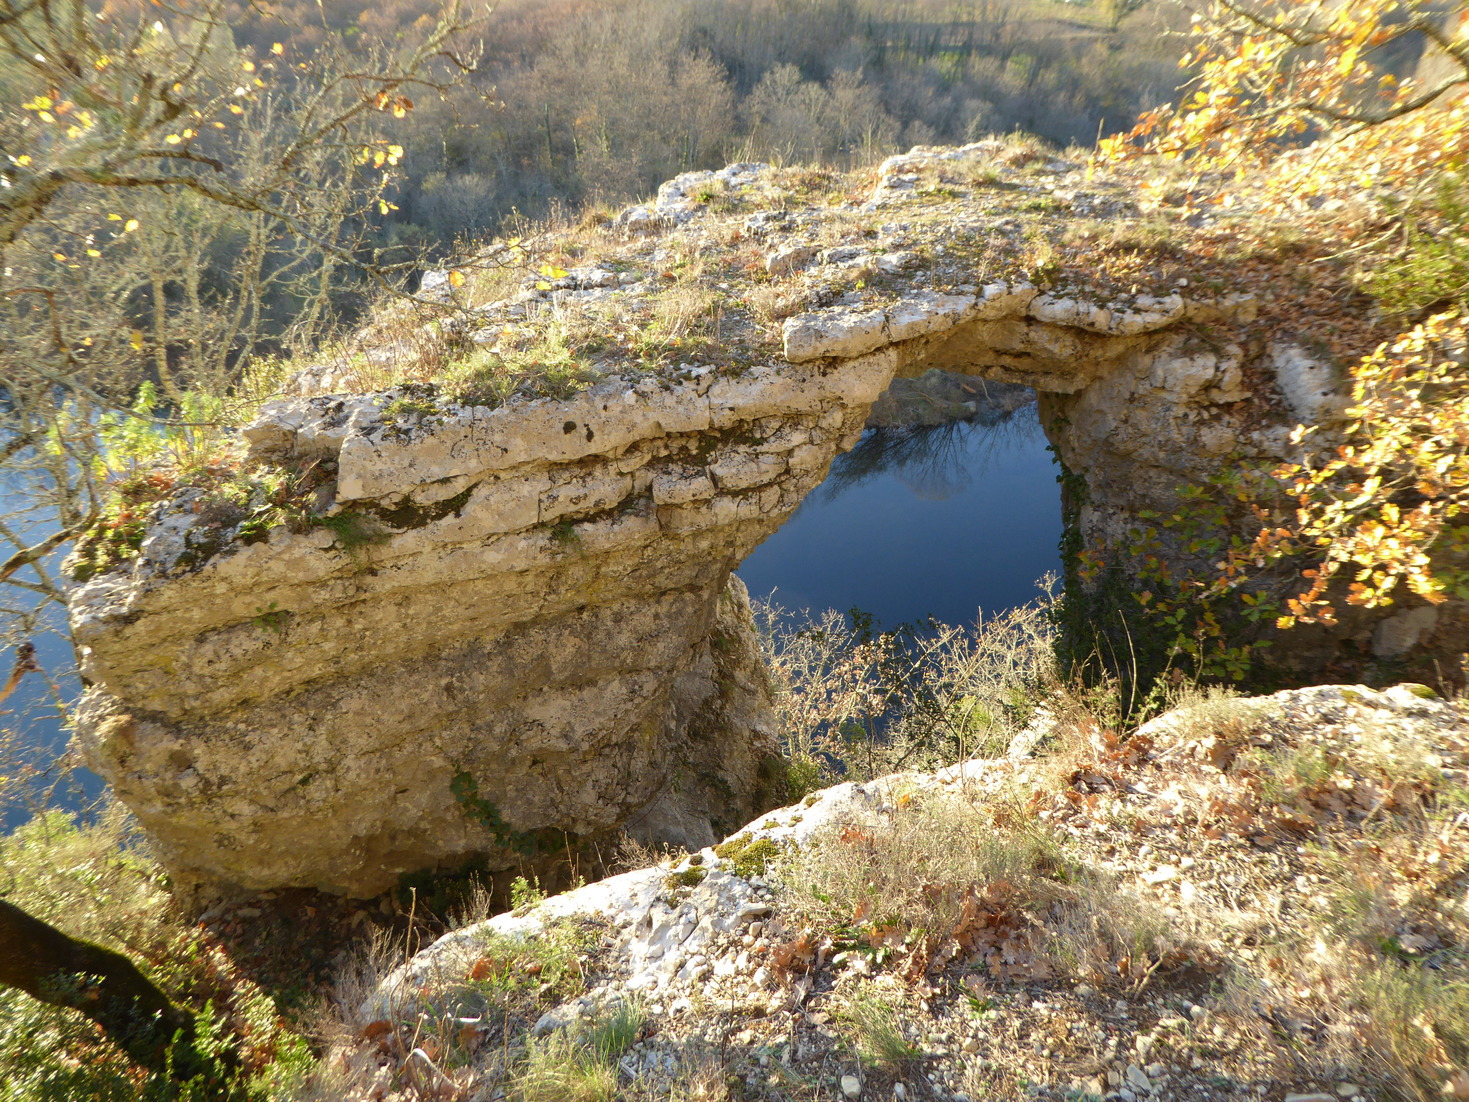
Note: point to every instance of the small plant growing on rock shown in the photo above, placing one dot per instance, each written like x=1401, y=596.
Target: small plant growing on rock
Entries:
x=354, y=531
x=269, y=618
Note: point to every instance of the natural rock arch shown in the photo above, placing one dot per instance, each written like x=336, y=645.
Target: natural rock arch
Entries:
x=542, y=641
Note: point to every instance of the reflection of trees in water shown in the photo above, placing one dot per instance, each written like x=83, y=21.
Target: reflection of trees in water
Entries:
x=934, y=461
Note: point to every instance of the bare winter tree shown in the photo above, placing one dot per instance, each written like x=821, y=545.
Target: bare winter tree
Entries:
x=172, y=210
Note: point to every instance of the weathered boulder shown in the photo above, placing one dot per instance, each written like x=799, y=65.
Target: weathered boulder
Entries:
x=516, y=625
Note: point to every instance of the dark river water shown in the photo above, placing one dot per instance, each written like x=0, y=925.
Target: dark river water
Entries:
x=914, y=523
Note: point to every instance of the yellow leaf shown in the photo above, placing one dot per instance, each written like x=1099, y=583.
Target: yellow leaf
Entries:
x=456, y=279
x=131, y=225
x=172, y=139
x=236, y=109
x=248, y=66
x=23, y=160
x=93, y=253
x=114, y=218
x=277, y=49
x=550, y=271
x=135, y=338
x=542, y=285
x=59, y=256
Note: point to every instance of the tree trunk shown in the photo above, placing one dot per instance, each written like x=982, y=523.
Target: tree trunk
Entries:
x=105, y=986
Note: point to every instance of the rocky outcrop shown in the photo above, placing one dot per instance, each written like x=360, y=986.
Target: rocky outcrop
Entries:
x=515, y=625
x=728, y=950
x=507, y=627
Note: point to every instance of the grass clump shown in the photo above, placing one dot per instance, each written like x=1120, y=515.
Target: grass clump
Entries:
x=470, y=1021
x=579, y=1064
x=876, y=1032
x=944, y=879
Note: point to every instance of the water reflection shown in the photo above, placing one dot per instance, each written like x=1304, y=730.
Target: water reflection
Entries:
x=936, y=462
x=916, y=522
x=33, y=732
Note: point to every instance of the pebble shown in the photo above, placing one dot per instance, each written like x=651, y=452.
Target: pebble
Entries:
x=1314, y=1096
x=851, y=1086
x=1348, y=1090
x=1138, y=1079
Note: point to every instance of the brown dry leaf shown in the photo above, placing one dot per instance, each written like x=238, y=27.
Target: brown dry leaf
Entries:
x=472, y=1036
x=854, y=837
x=373, y=1030
x=795, y=955
x=481, y=968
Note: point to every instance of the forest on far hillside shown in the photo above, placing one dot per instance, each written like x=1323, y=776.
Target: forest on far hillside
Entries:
x=598, y=101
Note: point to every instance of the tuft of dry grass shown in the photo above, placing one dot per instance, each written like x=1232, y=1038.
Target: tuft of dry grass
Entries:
x=859, y=704
x=945, y=879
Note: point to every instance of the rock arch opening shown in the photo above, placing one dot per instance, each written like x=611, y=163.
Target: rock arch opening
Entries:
x=946, y=505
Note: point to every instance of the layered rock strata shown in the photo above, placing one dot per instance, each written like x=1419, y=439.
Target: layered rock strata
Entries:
x=515, y=623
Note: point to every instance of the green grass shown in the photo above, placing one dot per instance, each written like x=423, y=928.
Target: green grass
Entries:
x=578, y=1064
x=876, y=1032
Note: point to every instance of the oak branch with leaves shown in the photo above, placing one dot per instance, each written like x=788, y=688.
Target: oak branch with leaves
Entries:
x=1301, y=93
x=1272, y=75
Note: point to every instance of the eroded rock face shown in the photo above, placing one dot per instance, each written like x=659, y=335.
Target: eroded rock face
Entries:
x=512, y=621
x=512, y=624
x=540, y=634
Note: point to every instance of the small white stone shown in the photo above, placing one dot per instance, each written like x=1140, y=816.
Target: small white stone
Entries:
x=851, y=1086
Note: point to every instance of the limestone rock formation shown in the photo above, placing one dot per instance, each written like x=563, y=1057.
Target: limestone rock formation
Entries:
x=506, y=623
